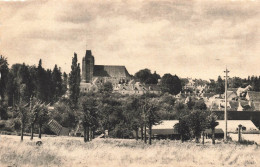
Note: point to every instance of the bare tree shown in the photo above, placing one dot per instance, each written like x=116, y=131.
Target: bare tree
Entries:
x=22, y=110
x=212, y=121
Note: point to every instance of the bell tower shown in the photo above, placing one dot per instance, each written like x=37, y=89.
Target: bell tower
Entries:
x=88, y=67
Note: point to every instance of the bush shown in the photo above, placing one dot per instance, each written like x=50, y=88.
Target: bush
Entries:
x=246, y=142
x=6, y=126
x=3, y=113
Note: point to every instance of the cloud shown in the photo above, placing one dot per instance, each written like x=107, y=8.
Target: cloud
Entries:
x=179, y=37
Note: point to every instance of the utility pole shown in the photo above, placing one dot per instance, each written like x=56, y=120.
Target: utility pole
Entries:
x=226, y=78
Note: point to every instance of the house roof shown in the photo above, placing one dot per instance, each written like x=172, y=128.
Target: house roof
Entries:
x=255, y=96
x=229, y=93
x=166, y=127
x=163, y=131
x=232, y=125
x=166, y=124
x=110, y=71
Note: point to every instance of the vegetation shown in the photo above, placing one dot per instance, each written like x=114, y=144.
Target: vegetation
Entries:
x=171, y=84
x=212, y=123
x=74, y=81
x=145, y=76
x=71, y=151
x=123, y=116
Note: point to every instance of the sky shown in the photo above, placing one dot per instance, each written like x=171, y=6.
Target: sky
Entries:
x=195, y=39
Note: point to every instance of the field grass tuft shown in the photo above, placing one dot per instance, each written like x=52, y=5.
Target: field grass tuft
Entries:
x=72, y=151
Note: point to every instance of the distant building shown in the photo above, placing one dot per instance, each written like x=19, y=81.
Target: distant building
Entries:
x=232, y=125
x=166, y=129
x=94, y=75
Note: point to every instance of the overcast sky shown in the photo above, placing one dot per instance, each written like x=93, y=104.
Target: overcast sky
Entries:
x=188, y=38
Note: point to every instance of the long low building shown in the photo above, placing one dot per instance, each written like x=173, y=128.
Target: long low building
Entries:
x=232, y=125
x=166, y=128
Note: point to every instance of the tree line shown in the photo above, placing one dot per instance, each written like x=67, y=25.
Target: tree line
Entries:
x=22, y=81
x=30, y=89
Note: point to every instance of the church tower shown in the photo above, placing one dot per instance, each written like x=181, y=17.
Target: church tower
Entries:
x=88, y=67
x=83, y=76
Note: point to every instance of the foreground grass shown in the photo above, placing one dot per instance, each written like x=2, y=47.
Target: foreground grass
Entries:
x=70, y=151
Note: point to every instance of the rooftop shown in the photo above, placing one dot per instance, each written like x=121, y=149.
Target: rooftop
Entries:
x=110, y=71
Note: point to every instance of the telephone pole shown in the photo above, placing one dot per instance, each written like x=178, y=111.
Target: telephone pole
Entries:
x=226, y=78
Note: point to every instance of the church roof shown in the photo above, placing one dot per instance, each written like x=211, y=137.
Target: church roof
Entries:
x=110, y=71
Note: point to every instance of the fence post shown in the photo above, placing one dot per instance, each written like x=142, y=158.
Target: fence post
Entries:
x=239, y=132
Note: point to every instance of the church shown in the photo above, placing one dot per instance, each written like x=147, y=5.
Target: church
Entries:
x=95, y=75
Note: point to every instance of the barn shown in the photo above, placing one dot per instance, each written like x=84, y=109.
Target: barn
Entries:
x=165, y=130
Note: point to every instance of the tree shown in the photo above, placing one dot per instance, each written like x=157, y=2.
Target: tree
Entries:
x=3, y=112
x=167, y=107
x=88, y=114
x=20, y=84
x=197, y=123
x=183, y=128
x=220, y=86
x=171, y=84
x=24, y=78
x=153, y=117
x=107, y=87
x=74, y=81
x=133, y=114
x=35, y=107
x=212, y=123
x=236, y=82
x=145, y=76
x=64, y=83
x=63, y=114
x=112, y=115
x=200, y=105
x=3, y=77
x=11, y=89
x=43, y=118
x=255, y=82
x=191, y=103
x=150, y=115
x=22, y=110
x=56, y=87
x=43, y=83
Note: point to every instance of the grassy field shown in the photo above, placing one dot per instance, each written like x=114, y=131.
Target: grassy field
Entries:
x=72, y=151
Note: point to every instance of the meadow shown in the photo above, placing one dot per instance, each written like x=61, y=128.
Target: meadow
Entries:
x=73, y=152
